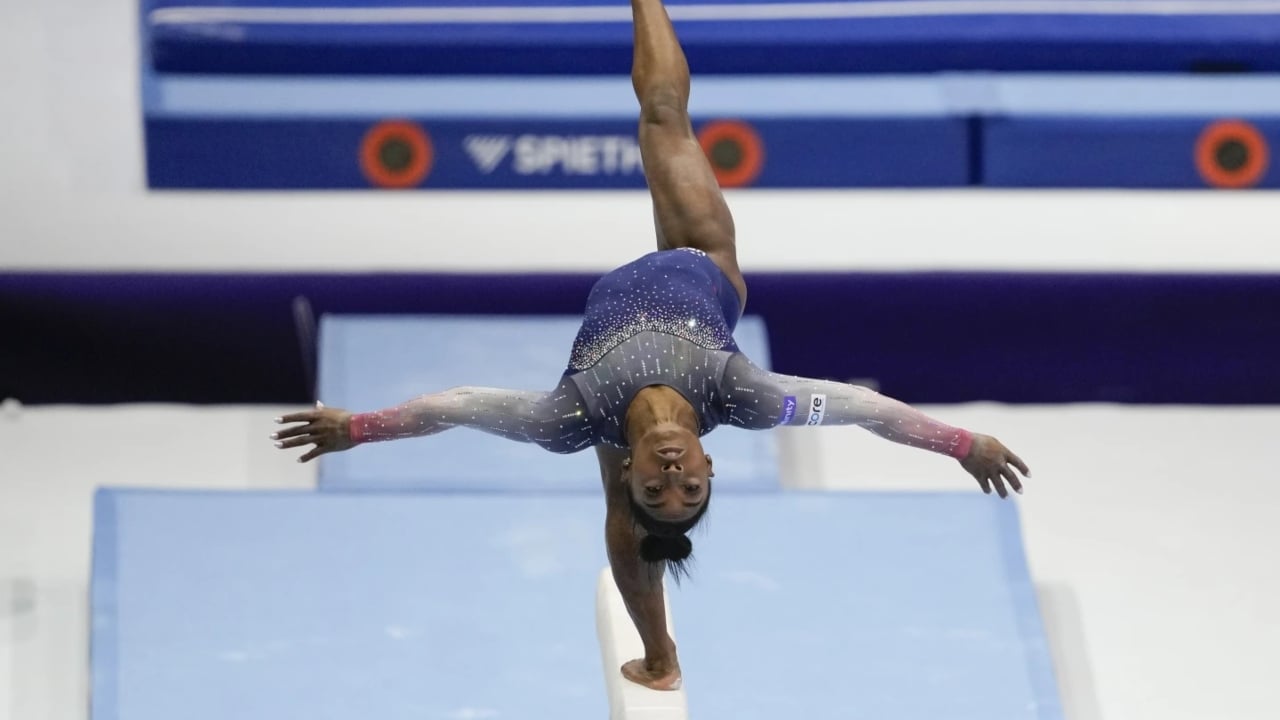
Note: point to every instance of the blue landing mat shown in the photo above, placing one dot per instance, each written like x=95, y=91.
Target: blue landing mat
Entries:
x=719, y=36
x=261, y=606
x=372, y=362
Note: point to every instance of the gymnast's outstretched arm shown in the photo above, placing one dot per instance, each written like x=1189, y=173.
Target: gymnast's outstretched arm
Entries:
x=639, y=583
x=553, y=420
x=759, y=399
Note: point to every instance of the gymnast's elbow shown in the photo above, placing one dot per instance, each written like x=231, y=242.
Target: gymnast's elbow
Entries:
x=561, y=446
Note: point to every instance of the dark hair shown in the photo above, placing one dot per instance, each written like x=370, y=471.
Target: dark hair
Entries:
x=667, y=541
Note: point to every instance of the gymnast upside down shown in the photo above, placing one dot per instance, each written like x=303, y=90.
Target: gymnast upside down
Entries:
x=653, y=368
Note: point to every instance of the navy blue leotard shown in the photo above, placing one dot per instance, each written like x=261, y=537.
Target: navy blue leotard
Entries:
x=664, y=319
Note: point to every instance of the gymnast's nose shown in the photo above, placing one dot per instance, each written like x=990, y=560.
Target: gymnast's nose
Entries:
x=672, y=467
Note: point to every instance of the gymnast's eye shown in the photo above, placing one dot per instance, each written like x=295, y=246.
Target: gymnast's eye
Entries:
x=652, y=490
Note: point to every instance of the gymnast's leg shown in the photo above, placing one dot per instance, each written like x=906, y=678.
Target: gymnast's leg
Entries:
x=689, y=209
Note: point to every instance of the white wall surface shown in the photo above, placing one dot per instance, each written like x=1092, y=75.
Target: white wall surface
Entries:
x=72, y=197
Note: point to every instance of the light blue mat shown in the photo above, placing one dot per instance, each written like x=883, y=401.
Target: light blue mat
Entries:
x=329, y=606
x=372, y=362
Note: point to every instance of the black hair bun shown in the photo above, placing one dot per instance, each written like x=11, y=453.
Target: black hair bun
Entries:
x=654, y=548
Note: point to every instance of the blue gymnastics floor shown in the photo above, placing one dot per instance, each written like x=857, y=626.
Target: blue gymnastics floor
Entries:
x=372, y=362
x=337, y=606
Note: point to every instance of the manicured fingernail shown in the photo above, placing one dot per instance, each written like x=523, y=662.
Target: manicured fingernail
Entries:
x=1019, y=491
x=279, y=420
x=280, y=445
x=275, y=436
x=301, y=460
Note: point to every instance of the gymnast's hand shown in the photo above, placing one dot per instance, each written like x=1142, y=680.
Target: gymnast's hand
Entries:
x=329, y=429
x=989, y=463
x=654, y=675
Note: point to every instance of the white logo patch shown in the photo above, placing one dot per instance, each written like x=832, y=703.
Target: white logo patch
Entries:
x=487, y=151
x=817, y=409
x=577, y=155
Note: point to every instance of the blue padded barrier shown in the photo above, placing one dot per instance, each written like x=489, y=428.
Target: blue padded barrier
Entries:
x=259, y=153
x=809, y=131
x=720, y=36
x=260, y=606
x=1122, y=152
x=368, y=363
x=794, y=96
x=558, y=98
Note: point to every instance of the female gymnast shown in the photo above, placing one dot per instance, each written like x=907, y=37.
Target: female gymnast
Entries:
x=653, y=368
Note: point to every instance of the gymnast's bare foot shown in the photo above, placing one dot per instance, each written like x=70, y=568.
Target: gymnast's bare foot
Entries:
x=657, y=676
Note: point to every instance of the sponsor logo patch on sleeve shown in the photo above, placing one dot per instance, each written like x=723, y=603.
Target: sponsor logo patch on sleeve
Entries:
x=817, y=409
x=788, y=409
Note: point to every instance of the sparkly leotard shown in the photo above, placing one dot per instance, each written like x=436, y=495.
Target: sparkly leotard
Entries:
x=665, y=319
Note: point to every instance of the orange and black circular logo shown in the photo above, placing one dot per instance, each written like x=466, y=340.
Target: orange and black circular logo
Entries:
x=1232, y=154
x=396, y=154
x=734, y=150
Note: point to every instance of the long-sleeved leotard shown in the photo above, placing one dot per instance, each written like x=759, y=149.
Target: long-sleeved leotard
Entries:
x=757, y=399
x=665, y=319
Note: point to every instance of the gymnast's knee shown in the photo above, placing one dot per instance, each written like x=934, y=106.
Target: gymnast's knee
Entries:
x=662, y=108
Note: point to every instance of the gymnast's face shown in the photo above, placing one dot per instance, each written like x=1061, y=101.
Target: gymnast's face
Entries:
x=669, y=475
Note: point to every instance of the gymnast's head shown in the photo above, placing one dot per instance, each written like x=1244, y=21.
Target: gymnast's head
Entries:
x=668, y=479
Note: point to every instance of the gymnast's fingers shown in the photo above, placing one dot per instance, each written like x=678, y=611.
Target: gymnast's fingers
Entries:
x=1017, y=462
x=983, y=483
x=1012, y=477
x=305, y=416
x=315, y=452
x=998, y=482
x=293, y=431
x=298, y=442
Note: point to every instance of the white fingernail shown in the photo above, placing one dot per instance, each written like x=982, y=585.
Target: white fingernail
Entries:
x=275, y=436
x=280, y=445
x=279, y=419
x=319, y=404
x=299, y=459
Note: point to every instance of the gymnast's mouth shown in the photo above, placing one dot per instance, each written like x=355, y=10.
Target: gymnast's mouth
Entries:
x=670, y=453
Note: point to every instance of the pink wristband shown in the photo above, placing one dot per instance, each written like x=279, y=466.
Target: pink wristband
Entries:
x=356, y=428
x=961, y=449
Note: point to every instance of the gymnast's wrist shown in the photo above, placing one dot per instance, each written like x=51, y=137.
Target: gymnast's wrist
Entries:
x=963, y=445
x=358, y=427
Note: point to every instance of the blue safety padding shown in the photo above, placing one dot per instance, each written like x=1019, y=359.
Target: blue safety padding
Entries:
x=104, y=696
x=469, y=97
x=368, y=363
x=259, y=153
x=238, y=38
x=763, y=96
x=821, y=606
x=1040, y=151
